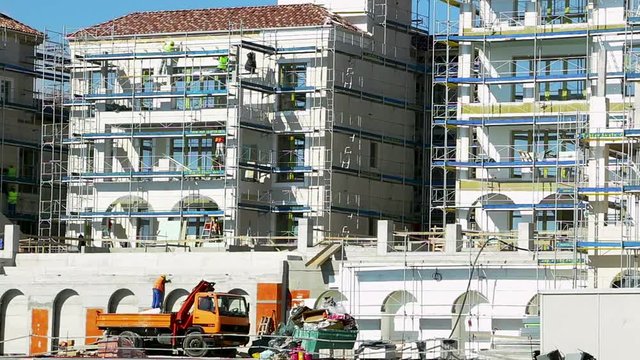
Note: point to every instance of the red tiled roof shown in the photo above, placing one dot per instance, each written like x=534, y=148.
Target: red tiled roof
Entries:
x=209, y=20
x=15, y=25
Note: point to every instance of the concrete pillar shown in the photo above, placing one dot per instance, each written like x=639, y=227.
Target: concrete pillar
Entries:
x=305, y=234
x=531, y=15
x=525, y=236
x=453, y=238
x=11, y=242
x=385, y=236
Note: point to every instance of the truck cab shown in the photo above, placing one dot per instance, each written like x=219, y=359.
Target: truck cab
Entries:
x=218, y=313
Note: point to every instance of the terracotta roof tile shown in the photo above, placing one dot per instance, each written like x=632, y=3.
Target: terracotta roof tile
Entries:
x=206, y=20
x=15, y=25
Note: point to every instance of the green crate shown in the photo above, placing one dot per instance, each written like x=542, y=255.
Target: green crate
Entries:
x=314, y=340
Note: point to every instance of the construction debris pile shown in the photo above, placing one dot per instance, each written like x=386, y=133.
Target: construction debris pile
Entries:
x=308, y=330
x=111, y=347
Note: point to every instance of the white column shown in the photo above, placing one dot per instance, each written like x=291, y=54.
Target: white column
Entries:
x=385, y=236
x=305, y=234
x=11, y=240
x=453, y=238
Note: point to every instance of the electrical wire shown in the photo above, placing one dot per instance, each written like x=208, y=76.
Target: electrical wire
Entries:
x=473, y=267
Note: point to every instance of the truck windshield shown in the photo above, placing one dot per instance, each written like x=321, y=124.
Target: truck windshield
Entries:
x=232, y=305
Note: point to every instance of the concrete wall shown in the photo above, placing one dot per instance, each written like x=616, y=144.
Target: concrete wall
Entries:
x=600, y=322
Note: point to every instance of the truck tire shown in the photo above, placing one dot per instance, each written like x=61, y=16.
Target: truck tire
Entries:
x=135, y=339
x=194, y=345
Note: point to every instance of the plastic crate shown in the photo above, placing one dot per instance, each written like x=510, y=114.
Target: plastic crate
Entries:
x=314, y=340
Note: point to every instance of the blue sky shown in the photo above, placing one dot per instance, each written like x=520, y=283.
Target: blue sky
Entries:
x=75, y=14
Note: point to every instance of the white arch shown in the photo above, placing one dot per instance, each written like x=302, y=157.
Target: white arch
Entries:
x=337, y=296
x=465, y=313
x=174, y=300
x=533, y=306
x=14, y=323
x=397, y=322
x=68, y=318
x=123, y=301
x=494, y=219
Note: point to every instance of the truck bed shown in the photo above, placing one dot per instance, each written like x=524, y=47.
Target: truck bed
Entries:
x=112, y=321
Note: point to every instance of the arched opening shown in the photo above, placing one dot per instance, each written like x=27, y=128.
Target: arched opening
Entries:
x=123, y=301
x=174, y=300
x=337, y=296
x=238, y=291
x=533, y=306
x=557, y=213
x=125, y=225
x=626, y=279
x=398, y=322
x=196, y=210
x=68, y=318
x=468, y=314
x=14, y=323
x=493, y=212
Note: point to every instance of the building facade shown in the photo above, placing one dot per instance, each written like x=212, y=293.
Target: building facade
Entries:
x=21, y=116
x=240, y=121
x=535, y=116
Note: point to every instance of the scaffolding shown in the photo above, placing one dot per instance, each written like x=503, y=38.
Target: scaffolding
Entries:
x=270, y=114
x=556, y=153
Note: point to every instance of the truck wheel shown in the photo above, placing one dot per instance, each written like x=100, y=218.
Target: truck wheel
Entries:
x=194, y=345
x=135, y=339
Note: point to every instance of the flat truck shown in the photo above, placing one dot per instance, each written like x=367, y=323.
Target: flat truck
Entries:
x=207, y=322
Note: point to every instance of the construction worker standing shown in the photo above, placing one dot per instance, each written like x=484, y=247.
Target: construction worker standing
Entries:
x=158, y=291
x=169, y=46
x=12, y=201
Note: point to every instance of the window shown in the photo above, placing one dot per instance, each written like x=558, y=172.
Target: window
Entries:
x=146, y=155
x=148, y=86
x=232, y=306
x=205, y=303
x=196, y=154
x=28, y=160
x=97, y=81
x=287, y=224
x=290, y=157
x=373, y=155
x=543, y=145
x=563, y=11
x=291, y=77
x=194, y=81
x=6, y=90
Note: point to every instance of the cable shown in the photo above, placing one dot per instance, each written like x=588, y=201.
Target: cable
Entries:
x=473, y=267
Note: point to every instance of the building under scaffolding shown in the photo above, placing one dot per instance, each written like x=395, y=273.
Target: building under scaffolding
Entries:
x=22, y=75
x=225, y=122
x=535, y=126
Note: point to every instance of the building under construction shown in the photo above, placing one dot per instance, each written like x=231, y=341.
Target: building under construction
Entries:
x=241, y=121
x=536, y=126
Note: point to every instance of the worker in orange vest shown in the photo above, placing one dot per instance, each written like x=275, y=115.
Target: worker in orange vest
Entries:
x=158, y=291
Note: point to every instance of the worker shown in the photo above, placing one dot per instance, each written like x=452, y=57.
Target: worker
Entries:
x=81, y=242
x=169, y=46
x=12, y=172
x=158, y=291
x=12, y=201
x=223, y=63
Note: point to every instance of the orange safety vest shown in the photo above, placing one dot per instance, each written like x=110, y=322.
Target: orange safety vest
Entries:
x=159, y=284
